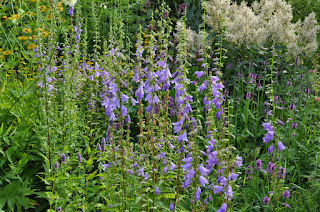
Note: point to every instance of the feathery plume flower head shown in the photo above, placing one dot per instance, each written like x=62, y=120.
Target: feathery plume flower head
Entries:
x=70, y=3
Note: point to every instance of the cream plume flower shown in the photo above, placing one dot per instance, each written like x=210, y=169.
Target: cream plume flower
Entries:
x=70, y=3
x=264, y=21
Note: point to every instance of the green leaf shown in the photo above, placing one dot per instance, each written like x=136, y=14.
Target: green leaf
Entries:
x=169, y=196
x=248, y=131
x=290, y=169
x=92, y=175
x=2, y=202
x=138, y=199
x=89, y=163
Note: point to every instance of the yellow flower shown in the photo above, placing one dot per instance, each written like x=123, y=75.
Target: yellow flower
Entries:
x=14, y=17
x=33, y=37
x=22, y=38
x=45, y=34
x=60, y=9
x=38, y=29
x=31, y=46
x=49, y=16
x=6, y=52
x=26, y=30
x=2, y=57
x=43, y=8
x=4, y=17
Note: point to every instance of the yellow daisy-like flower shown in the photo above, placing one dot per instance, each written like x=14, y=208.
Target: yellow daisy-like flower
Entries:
x=6, y=52
x=45, y=34
x=2, y=57
x=26, y=30
x=4, y=17
x=22, y=38
x=49, y=16
x=60, y=9
x=33, y=37
x=31, y=46
x=14, y=17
